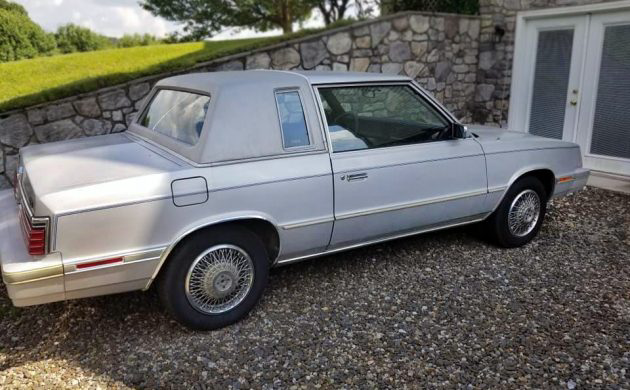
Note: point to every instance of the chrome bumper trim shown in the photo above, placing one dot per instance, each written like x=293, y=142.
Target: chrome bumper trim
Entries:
x=33, y=275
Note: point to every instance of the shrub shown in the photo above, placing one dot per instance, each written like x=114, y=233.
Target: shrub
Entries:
x=129, y=40
x=72, y=38
x=20, y=37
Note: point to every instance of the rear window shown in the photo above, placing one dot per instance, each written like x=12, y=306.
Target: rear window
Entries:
x=177, y=114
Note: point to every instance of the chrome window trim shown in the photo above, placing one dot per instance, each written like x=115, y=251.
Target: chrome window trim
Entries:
x=299, y=148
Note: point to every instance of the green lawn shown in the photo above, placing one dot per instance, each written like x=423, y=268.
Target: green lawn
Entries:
x=38, y=80
x=28, y=82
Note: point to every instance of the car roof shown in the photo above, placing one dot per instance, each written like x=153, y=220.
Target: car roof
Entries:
x=210, y=80
x=324, y=77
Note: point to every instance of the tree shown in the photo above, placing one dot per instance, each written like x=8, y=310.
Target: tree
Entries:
x=12, y=7
x=333, y=10
x=71, y=38
x=20, y=37
x=468, y=7
x=203, y=18
x=131, y=40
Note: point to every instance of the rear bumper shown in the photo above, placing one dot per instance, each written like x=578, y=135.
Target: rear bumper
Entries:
x=29, y=280
x=571, y=183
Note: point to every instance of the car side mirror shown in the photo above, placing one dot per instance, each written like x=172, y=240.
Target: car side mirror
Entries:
x=459, y=131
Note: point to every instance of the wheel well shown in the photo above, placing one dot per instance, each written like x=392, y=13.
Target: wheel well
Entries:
x=262, y=228
x=546, y=177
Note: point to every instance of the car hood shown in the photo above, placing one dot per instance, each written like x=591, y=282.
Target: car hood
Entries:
x=94, y=172
x=498, y=140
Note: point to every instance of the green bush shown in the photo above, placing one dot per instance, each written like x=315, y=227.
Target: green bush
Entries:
x=13, y=7
x=72, y=38
x=129, y=40
x=20, y=37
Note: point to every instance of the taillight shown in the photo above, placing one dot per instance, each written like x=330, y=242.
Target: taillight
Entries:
x=34, y=234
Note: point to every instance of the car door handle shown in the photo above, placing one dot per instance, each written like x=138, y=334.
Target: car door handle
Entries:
x=357, y=176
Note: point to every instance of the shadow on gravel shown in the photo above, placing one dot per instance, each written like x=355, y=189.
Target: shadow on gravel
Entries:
x=441, y=308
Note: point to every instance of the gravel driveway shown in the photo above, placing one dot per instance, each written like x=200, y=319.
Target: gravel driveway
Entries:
x=438, y=310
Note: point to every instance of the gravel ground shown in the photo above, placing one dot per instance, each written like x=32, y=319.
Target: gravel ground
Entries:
x=438, y=310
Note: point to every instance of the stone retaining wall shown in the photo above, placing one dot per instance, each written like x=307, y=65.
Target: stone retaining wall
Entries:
x=440, y=51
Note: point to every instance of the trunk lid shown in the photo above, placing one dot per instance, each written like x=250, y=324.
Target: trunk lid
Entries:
x=94, y=172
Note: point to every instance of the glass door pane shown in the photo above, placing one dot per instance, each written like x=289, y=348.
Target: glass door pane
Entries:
x=551, y=82
x=611, y=124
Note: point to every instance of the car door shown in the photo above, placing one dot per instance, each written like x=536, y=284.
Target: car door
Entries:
x=397, y=169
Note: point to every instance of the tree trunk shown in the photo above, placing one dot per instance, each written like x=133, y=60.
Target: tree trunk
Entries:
x=287, y=25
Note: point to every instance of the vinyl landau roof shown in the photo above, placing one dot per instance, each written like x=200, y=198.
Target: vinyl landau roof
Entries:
x=242, y=119
x=204, y=81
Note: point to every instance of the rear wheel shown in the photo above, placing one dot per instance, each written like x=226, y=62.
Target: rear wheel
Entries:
x=214, y=278
x=520, y=215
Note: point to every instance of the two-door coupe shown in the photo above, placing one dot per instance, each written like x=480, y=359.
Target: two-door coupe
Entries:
x=224, y=175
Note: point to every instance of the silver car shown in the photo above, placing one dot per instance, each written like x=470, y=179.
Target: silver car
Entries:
x=225, y=175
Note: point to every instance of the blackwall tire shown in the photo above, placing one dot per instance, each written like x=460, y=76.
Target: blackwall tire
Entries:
x=214, y=278
x=520, y=215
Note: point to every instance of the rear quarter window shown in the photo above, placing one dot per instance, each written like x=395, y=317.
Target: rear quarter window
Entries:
x=177, y=114
x=292, y=120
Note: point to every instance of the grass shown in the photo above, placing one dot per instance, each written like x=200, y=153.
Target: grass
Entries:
x=29, y=82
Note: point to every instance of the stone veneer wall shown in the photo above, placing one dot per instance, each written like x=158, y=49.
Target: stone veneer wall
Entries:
x=439, y=50
x=494, y=75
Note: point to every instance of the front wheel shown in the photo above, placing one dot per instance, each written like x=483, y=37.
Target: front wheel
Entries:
x=520, y=215
x=214, y=278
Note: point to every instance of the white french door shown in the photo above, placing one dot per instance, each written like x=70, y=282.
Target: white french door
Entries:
x=604, y=121
x=571, y=81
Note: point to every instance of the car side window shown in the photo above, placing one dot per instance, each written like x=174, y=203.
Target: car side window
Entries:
x=367, y=117
x=292, y=120
x=177, y=114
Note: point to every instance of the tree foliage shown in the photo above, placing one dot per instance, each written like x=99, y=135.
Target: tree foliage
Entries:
x=333, y=10
x=203, y=18
x=20, y=37
x=71, y=38
x=13, y=7
x=131, y=40
x=468, y=7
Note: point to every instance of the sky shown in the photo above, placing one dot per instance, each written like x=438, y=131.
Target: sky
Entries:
x=114, y=18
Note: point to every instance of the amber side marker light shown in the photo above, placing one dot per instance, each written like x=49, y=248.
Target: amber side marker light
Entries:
x=565, y=179
x=100, y=262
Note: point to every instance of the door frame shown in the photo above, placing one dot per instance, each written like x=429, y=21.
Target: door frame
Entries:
x=523, y=82
x=590, y=86
x=520, y=59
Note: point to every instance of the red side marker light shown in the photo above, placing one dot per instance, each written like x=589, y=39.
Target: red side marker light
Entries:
x=100, y=262
x=565, y=179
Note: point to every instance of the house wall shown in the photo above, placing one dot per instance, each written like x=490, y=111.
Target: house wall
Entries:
x=494, y=74
x=440, y=51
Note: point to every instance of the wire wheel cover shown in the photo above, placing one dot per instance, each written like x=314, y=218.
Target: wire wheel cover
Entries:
x=524, y=213
x=219, y=279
